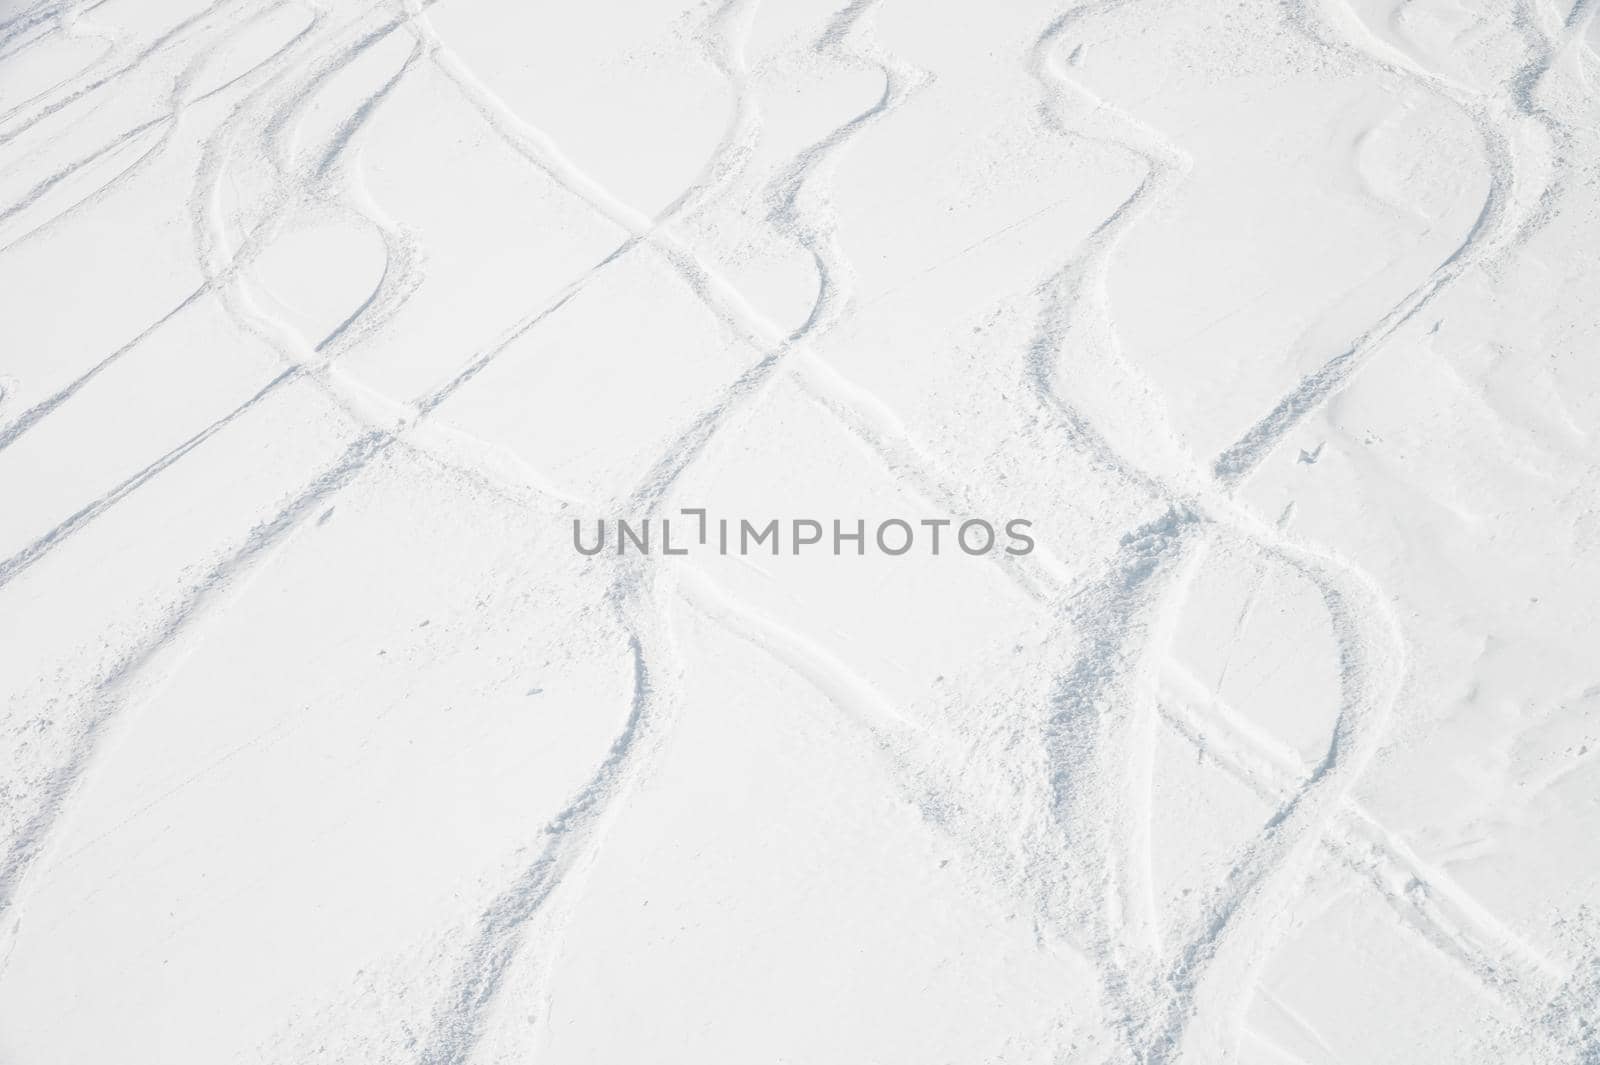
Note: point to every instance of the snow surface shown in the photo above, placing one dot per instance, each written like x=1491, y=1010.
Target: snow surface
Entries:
x=321, y=321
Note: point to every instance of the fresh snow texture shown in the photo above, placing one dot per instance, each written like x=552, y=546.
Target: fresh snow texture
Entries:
x=321, y=321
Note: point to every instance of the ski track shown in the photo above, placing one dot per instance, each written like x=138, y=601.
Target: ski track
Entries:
x=1505, y=222
x=1199, y=994
x=1182, y=991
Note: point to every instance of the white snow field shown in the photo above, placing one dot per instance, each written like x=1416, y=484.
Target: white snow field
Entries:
x=323, y=321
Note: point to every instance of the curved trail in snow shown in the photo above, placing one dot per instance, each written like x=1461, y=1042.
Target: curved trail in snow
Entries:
x=1201, y=986
x=1186, y=1000
x=1510, y=215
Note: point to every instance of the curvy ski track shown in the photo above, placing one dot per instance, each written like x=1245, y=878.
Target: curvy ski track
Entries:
x=1085, y=879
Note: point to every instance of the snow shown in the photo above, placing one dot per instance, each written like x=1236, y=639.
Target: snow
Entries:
x=323, y=321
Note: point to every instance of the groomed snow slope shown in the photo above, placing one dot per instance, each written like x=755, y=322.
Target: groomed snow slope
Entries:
x=320, y=322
